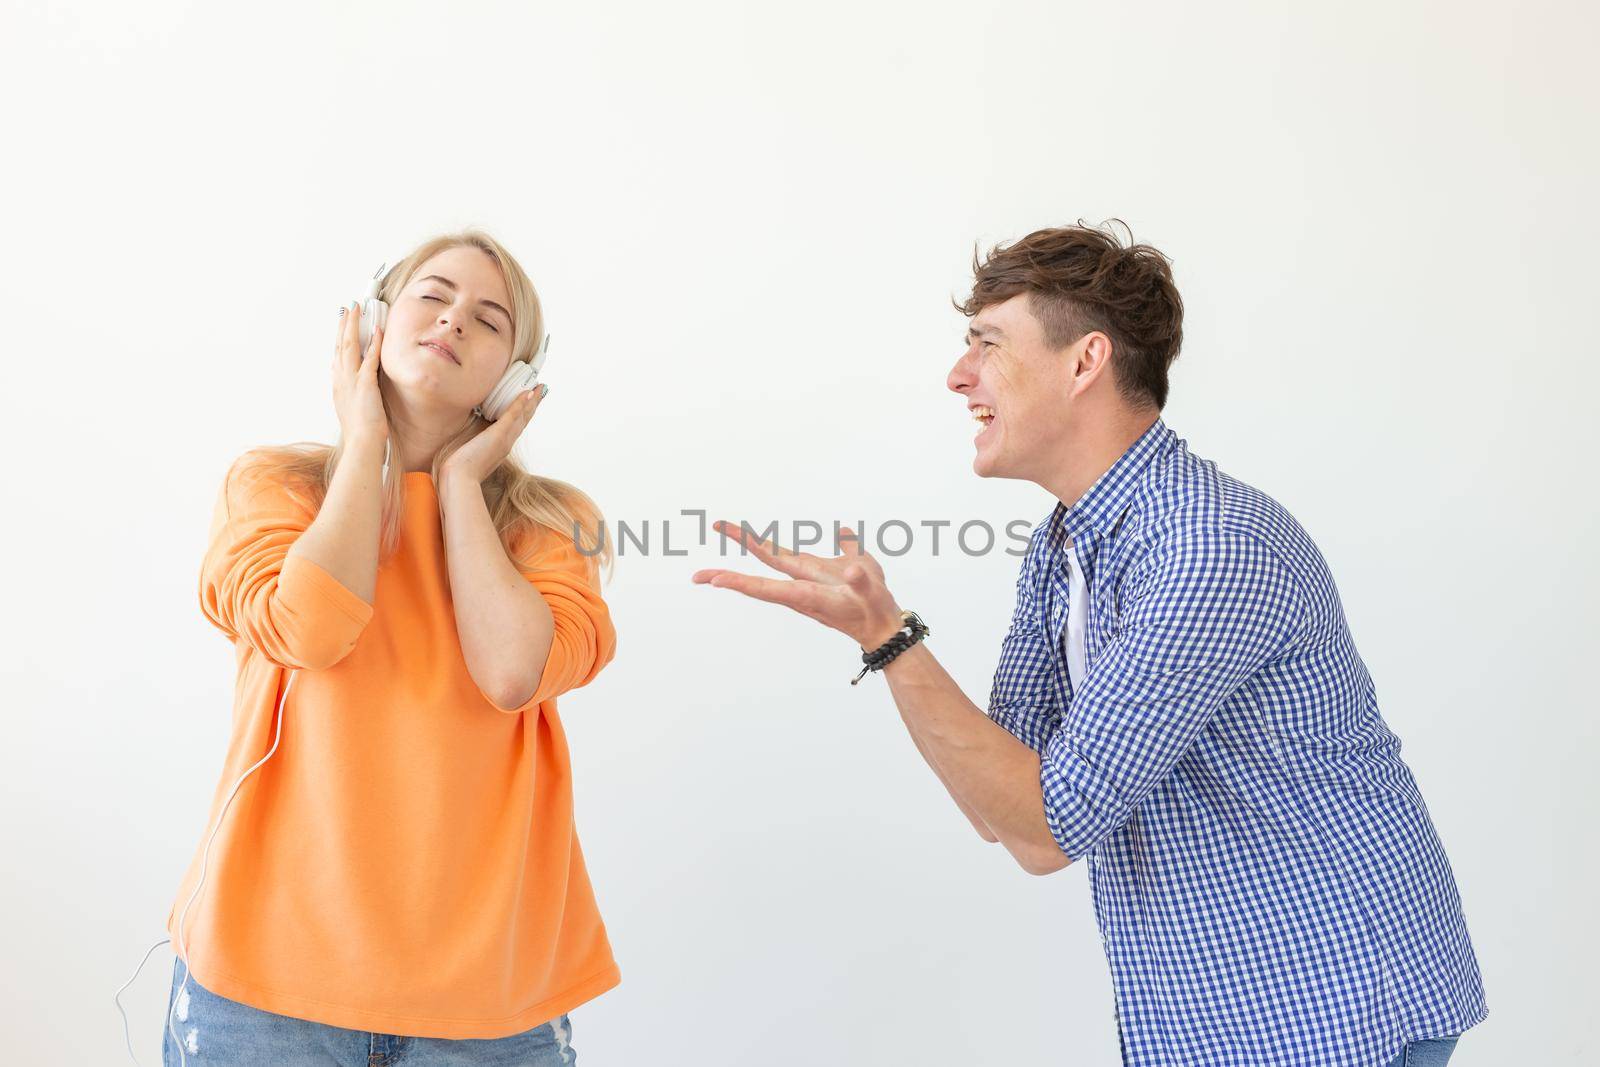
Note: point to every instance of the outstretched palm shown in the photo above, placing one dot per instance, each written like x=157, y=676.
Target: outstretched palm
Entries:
x=845, y=592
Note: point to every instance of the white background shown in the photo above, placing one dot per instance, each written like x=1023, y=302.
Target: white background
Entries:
x=747, y=222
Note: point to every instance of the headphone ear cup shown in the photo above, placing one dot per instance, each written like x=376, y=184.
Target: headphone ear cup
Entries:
x=518, y=377
x=374, y=314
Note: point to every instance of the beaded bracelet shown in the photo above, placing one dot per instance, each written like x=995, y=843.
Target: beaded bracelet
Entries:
x=913, y=629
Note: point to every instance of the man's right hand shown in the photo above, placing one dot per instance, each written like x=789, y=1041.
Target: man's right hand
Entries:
x=846, y=592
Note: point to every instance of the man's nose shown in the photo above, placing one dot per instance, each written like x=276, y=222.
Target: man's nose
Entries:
x=963, y=375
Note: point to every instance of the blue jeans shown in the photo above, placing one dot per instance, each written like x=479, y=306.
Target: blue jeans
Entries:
x=218, y=1032
x=1432, y=1053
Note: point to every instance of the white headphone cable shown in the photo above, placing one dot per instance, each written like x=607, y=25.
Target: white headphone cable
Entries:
x=205, y=859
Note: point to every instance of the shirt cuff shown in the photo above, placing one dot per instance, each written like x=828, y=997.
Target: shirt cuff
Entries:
x=1080, y=806
x=1026, y=723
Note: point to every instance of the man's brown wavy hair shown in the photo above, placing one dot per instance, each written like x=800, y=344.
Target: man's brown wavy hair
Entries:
x=1081, y=278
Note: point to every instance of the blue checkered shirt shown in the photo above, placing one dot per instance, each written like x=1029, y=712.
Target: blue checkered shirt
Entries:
x=1268, y=885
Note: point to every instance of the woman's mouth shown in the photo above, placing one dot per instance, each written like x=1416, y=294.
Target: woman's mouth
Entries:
x=430, y=346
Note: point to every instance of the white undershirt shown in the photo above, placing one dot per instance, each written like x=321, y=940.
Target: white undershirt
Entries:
x=1077, y=620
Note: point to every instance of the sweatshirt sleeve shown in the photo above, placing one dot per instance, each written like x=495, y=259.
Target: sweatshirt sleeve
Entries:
x=287, y=608
x=584, y=640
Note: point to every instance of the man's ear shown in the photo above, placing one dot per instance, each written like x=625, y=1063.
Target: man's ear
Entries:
x=1089, y=358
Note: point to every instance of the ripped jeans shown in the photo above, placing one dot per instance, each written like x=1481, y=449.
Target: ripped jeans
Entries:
x=215, y=1031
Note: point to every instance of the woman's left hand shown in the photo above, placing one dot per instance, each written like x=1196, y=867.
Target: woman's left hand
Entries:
x=478, y=458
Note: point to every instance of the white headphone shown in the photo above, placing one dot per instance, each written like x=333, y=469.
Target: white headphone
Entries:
x=519, y=376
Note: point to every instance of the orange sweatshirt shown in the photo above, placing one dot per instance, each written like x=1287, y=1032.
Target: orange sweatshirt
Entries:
x=406, y=862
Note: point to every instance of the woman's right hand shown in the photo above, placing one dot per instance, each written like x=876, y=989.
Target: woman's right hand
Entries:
x=356, y=396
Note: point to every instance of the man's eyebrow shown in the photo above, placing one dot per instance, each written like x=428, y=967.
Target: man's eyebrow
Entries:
x=448, y=284
x=979, y=329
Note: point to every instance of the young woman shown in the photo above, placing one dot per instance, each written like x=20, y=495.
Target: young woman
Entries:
x=400, y=882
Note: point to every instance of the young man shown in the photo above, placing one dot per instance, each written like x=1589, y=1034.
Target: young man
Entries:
x=1179, y=702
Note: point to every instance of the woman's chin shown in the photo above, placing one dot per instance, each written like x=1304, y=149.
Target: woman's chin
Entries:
x=428, y=390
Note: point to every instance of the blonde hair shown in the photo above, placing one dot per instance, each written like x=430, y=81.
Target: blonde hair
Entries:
x=519, y=501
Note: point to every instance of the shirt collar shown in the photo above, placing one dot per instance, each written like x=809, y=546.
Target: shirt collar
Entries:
x=1106, y=500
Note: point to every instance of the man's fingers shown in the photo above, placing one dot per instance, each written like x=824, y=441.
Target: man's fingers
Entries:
x=741, y=532
x=846, y=538
x=790, y=594
x=786, y=560
x=849, y=543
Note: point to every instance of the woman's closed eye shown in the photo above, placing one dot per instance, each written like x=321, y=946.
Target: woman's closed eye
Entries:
x=486, y=322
